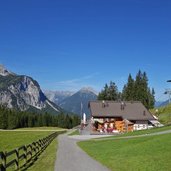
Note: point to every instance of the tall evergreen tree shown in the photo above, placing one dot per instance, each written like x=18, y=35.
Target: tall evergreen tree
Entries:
x=103, y=94
x=138, y=90
x=12, y=120
x=109, y=92
x=128, y=90
x=3, y=118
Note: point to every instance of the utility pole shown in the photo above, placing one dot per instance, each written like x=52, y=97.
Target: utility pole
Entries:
x=168, y=91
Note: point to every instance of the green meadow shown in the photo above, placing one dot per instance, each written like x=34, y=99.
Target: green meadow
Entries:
x=137, y=154
x=10, y=140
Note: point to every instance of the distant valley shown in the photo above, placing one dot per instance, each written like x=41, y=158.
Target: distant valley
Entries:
x=73, y=102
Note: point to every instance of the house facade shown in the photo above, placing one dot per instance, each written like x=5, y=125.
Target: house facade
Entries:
x=112, y=116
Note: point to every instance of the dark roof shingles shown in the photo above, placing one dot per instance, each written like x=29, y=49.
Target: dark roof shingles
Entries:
x=131, y=110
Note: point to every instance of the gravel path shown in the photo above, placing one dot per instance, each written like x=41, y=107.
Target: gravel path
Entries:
x=72, y=158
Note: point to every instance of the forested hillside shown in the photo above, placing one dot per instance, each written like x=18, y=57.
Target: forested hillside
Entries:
x=11, y=119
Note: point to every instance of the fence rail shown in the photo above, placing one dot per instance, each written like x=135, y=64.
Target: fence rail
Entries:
x=23, y=155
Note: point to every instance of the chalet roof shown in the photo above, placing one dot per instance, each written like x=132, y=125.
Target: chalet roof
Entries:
x=126, y=110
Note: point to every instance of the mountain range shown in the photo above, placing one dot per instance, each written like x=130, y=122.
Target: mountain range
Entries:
x=161, y=103
x=57, y=96
x=23, y=93
x=73, y=102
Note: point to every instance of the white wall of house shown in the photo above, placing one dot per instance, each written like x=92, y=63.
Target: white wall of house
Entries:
x=141, y=125
x=138, y=127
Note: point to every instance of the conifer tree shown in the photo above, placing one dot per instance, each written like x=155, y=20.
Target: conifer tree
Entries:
x=109, y=92
x=128, y=90
x=138, y=90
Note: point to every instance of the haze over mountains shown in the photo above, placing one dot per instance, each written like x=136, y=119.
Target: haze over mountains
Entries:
x=73, y=102
x=161, y=103
x=58, y=96
x=23, y=93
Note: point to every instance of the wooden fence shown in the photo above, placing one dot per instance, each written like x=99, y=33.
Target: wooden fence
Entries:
x=25, y=154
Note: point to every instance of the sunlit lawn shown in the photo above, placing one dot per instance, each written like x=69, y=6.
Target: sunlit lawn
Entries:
x=9, y=140
x=138, y=154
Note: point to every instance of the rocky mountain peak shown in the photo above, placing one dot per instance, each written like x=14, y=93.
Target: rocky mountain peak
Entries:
x=23, y=92
x=87, y=90
x=4, y=71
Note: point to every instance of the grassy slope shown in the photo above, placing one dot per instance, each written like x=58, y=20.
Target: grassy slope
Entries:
x=142, y=154
x=164, y=114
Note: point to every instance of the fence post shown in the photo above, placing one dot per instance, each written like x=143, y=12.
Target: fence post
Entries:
x=40, y=146
x=35, y=148
x=31, y=148
x=4, y=160
x=25, y=154
x=17, y=158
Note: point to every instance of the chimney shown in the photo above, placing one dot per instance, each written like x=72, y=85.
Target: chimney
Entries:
x=144, y=112
x=122, y=105
x=103, y=104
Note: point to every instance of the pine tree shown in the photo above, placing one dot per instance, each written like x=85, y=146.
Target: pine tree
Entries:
x=109, y=92
x=128, y=90
x=68, y=122
x=112, y=92
x=3, y=118
x=103, y=94
x=138, y=90
x=151, y=94
x=12, y=120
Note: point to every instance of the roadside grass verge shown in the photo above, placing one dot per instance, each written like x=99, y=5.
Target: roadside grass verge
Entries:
x=46, y=161
x=76, y=132
x=142, y=154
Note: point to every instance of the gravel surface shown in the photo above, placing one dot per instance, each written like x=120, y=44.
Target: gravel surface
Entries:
x=72, y=158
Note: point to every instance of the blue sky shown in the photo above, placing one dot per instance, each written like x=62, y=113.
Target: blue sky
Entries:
x=68, y=44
